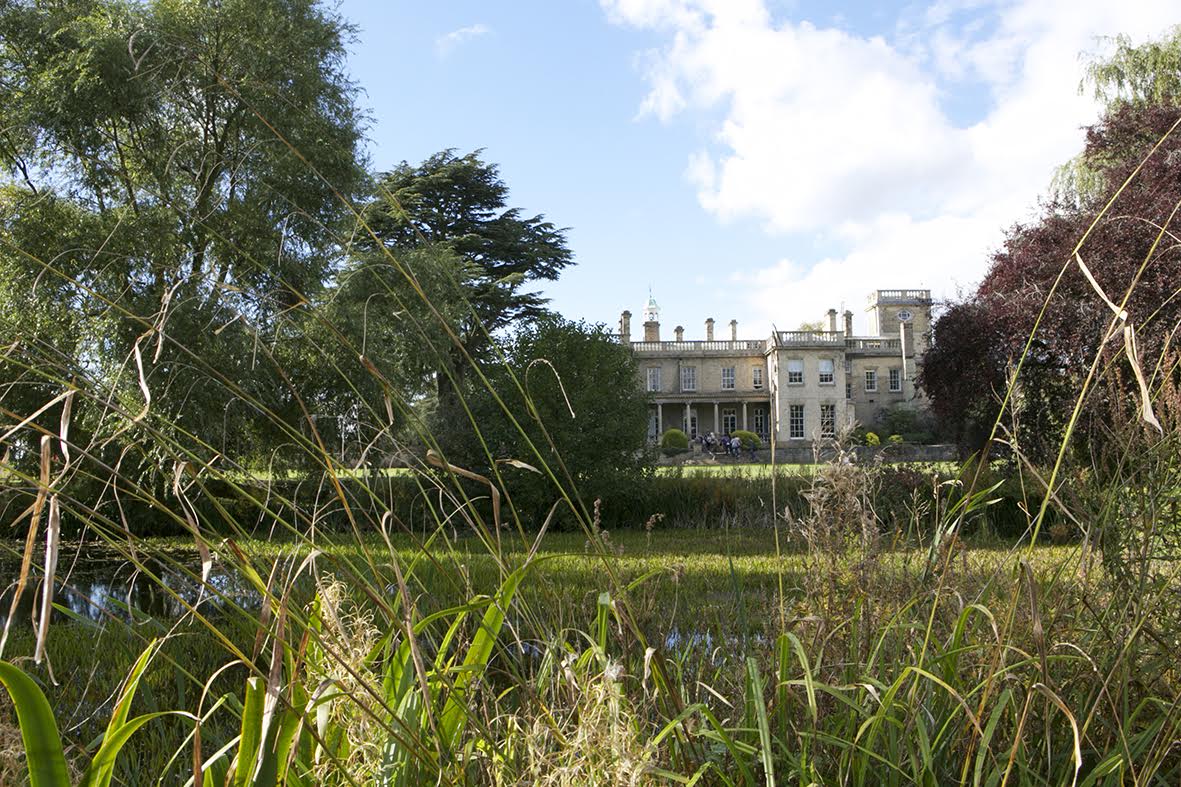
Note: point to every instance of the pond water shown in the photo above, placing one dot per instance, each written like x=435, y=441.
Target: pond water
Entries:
x=106, y=586
x=98, y=586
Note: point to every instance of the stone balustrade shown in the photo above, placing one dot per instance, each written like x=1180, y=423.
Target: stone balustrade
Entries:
x=742, y=345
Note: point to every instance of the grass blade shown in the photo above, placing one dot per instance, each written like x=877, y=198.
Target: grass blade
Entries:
x=43, y=746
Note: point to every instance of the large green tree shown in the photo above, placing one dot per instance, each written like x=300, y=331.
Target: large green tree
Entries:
x=461, y=202
x=394, y=315
x=173, y=171
x=576, y=404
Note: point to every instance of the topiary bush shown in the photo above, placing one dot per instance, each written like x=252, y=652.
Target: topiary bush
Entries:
x=895, y=439
x=674, y=441
x=749, y=439
x=872, y=439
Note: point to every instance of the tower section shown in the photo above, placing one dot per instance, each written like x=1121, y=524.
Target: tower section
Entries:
x=908, y=312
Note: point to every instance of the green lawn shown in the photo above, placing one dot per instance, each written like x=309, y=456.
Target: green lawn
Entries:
x=763, y=469
x=756, y=470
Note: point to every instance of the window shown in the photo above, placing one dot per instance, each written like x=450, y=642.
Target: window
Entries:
x=688, y=378
x=690, y=426
x=729, y=421
x=871, y=379
x=654, y=378
x=727, y=378
x=826, y=371
x=757, y=378
x=795, y=422
x=760, y=421
x=895, y=380
x=795, y=371
x=828, y=420
x=848, y=390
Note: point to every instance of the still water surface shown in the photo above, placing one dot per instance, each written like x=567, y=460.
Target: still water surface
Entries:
x=104, y=585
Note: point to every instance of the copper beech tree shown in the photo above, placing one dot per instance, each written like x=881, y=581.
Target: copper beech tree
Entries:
x=1131, y=249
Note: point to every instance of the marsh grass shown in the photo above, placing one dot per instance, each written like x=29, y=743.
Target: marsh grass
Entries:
x=710, y=603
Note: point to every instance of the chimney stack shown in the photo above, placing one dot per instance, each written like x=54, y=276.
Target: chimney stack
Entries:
x=680, y=332
x=848, y=323
x=625, y=327
x=733, y=330
x=709, y=329
x=832, y=320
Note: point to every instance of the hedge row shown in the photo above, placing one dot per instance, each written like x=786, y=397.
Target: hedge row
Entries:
x=904, y=499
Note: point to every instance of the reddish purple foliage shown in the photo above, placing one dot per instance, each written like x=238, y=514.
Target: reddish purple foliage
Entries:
x=975, y=341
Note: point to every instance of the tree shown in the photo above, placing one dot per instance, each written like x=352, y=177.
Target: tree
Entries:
x=1138, y=75
x=1130, y=247
x=963, y=372
x=173, y=170
x=976, y=341
x=461, y=202
x=1130, y=76
x=582, y=408
x=375, y=307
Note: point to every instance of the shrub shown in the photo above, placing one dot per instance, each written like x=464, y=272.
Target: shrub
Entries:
x=872, y=439
x=674, y=441
x=749, y=439
x=915, y=426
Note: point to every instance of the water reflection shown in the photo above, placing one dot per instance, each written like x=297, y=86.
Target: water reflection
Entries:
x=109, y=587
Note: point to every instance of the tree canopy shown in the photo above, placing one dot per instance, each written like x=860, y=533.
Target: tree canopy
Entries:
x=977, y=341
x=173, y=176
x=1145, y=74
x=580, y=407
x=462, y=202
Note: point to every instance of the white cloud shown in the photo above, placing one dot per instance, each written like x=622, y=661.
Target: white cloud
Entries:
x=449, y=42
x=908, y=152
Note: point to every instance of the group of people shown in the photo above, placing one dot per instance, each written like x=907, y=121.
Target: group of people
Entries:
x=726, y=444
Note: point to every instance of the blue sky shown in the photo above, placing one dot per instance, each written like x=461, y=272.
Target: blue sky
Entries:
x=754, y=160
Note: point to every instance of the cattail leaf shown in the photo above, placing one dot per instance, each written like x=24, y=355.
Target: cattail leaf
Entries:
x=43, y=746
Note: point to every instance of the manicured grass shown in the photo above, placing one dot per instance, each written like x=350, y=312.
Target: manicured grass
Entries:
x=763, y=469
x=755, y=470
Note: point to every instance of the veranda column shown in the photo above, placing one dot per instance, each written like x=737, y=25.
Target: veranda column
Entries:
x=902, y=341
x=744, y=427
x=717, y=425
x=659, y=419
x=688, y=420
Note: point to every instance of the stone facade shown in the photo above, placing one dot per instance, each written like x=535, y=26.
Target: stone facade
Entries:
x=799, y=385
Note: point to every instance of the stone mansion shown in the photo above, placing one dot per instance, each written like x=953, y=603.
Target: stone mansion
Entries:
x=799, y=385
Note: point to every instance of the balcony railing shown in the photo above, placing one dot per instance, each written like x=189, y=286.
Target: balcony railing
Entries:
x=907, y=296
x=741, y=345
x=853, y=343
x=803, y=338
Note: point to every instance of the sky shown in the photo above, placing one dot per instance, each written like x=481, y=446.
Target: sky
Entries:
x=758, y=160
